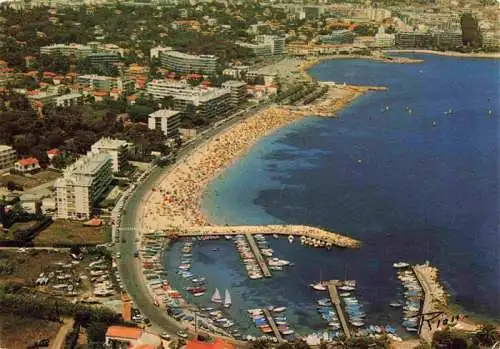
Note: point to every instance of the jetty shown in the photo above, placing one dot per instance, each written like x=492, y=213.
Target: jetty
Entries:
x=258, y=255
x=334, y=297
x=423, y=331
x=271, y=322
x=329, y=238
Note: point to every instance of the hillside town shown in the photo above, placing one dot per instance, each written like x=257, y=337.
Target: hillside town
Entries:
x=97, y=96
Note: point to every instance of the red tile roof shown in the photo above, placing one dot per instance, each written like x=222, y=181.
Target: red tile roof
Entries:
x=54, y=151
x=28, y=162
x=132, y=333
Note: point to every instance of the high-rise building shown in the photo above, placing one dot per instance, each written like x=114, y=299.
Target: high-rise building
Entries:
x=338, y=37
x=77, y=50
x=107, y=83
x=266, y=45
x=168, y=121
x=82, y=185
x=237, y=89
x=154, y=52
x=414, y=40
x=382, y=39
x=209, y=102
x=116, y=148
x=186, y=63
x=7, y=156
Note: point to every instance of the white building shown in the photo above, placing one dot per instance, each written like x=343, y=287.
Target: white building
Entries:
x=168, y=121
x=266, y=45
x=155, y=51
x=7, y=156
x=237, y=89
x=185, y=63
x=209, y=102
x=69, y=99
x=27, y=165
x=82, y=184
x=382, y=39
x=117, y=149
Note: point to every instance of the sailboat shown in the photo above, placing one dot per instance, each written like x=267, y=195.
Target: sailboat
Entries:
x=227, y=299
x=216, y=296
x=320, y=285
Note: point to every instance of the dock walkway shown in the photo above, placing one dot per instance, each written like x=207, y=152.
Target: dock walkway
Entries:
x=258, y=255
x=423, y=331
x=270, y=319
x=334, y=296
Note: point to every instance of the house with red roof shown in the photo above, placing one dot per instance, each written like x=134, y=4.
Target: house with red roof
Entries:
x=27, y=165
x=53, y=152
x=131, y=337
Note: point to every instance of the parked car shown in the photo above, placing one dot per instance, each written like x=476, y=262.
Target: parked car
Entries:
x=182, y=334
x=164, y=335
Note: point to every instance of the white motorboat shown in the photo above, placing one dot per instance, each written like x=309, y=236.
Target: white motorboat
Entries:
x=279, y=309
x=290, y=238
x=319, y=286
x=400, y=265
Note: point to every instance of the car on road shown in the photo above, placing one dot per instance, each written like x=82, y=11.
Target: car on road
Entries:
x=182, y=334
x=164, y=335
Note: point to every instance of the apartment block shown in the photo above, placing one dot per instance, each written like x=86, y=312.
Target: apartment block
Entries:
x=209, y=102
x=168, y=121
x=186, y=63
x=117, y=149
x=82, y=185
x=338, y=37
x=237, y=89
x=7, y=156
x=266, y=45
x=102, y=83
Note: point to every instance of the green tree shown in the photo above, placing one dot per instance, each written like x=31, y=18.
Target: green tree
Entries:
x=487, y=334
x=471, y=36
x=448, y=340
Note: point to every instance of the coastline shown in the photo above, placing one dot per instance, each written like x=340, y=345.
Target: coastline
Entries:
x=175, y=201
x=487, y=55
x=304, y=67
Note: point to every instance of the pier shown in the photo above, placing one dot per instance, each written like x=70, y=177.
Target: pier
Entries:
x=423, y=331
x=258, y=255
x=329, y=238
x=334, y=296
x=270, y=319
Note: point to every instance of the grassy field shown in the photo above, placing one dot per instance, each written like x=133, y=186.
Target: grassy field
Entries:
x=9, y=235
x=21, y=332
x=24, y=268
x=69, y=232
x=30, y=181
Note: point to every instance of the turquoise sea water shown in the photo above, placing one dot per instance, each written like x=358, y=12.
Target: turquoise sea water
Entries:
x=414, y=186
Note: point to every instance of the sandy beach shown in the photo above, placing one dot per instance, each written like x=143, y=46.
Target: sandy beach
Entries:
x=175, y=200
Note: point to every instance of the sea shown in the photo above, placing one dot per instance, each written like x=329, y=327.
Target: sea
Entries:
x=412, y=172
